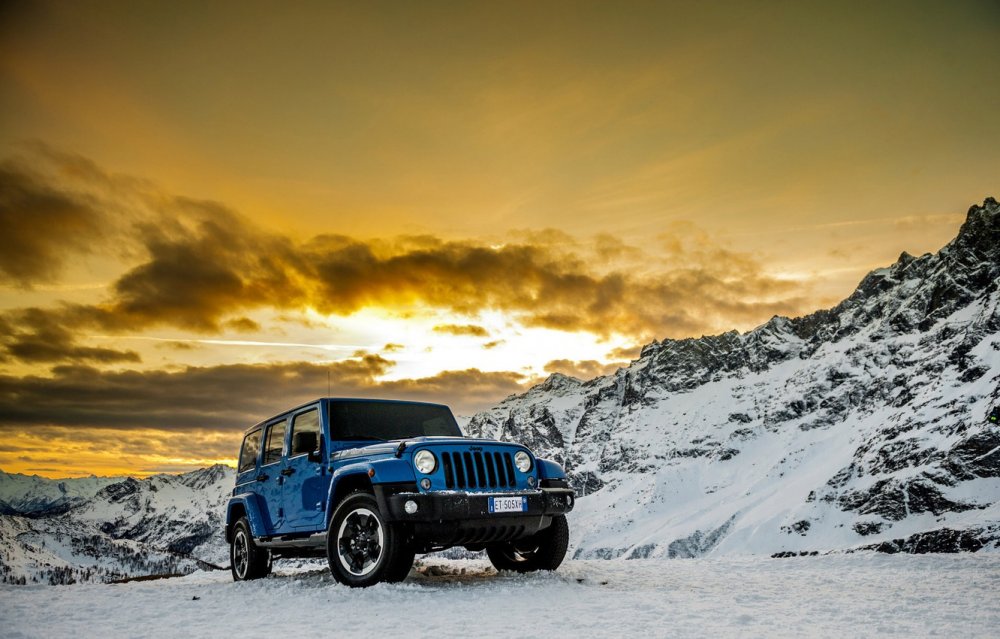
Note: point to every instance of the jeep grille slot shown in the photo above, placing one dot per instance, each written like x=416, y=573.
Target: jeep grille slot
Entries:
x=483, y=470
x=510, y=467
x=480, y=469
x=449, y=477
x=459, y=472
x=489, y=469
x=501, y=475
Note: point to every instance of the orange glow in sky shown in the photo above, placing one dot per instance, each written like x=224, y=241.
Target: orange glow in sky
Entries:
x=209, y=212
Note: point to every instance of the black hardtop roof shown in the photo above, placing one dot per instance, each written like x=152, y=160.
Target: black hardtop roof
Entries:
x=327, y=400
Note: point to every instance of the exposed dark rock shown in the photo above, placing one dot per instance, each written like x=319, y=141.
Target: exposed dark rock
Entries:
x=895, y=501
x=698, y=542
x=976, y=456
x=865, y=528
x=944, y=540
x=800, y=527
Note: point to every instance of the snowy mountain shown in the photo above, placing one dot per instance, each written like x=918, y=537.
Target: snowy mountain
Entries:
x=163, y=524
x=861, y=426
x=34, y=495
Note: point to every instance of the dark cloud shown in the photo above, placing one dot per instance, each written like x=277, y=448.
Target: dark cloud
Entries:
x=225, y=397
x=40, y=335
x=202, y=266
x=699, y=290
x=42, y=226
x=243, y=325
x=462, y=329
x=582, y=369
x=628, y=353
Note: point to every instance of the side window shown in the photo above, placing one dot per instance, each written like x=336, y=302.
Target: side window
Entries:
x=248, y=454
x=275, y=441
x=305, y=433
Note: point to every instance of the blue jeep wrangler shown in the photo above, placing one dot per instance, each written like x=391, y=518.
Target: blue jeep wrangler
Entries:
x=370, y=483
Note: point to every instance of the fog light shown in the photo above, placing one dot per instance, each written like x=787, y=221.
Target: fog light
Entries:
x=425, y=483
x=410, y=506
x=531, y=480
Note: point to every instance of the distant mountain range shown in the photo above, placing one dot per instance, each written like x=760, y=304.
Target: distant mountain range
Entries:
x=104, y=529
x=861, y=427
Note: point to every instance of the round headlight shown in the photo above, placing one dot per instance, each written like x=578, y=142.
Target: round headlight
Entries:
x=523, y=461
x=425, y=461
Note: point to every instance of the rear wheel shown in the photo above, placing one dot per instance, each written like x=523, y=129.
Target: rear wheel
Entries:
x=245, y=558
x=544, y=550
x=362, y=548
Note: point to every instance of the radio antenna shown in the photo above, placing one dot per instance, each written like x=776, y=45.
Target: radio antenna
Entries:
x=327, y=382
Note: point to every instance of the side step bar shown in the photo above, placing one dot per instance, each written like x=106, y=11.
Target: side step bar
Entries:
x=287, y=541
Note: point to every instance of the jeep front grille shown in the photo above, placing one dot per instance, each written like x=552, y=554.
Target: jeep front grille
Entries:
x=478, y=470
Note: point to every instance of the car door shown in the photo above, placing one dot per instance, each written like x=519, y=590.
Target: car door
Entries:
x=270, y=479
x=306, y=480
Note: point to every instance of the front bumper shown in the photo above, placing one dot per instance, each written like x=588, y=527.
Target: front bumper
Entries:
x=466, y=506
x=444, y=519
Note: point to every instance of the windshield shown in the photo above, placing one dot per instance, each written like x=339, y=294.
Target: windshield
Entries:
x=390, y=420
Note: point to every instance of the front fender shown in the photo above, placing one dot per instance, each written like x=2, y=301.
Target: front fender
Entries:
x=251, y=507
x=378, y=471
x=548, y=469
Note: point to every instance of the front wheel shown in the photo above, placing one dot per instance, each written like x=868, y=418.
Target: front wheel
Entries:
x=361, y=547
x=544, y=550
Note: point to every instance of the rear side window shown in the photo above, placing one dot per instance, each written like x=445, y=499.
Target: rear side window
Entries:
x=248, y=454
x=305, y=433
x=275, y=441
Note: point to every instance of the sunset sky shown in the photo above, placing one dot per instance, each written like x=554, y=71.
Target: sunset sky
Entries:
x=210, y=212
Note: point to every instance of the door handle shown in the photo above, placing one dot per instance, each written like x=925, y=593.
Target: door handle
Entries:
x=262, y=477
x=288, y=471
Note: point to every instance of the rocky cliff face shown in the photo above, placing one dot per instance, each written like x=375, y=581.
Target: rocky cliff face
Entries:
x=859, y=426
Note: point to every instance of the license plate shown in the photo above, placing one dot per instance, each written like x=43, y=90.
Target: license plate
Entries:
x=508, y=505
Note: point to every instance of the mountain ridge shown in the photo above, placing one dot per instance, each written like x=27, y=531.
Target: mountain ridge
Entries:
x=161, y=524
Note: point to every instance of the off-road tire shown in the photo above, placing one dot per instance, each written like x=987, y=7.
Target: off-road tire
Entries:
x=544, y=550
x=362, y=548
x=401, y=567
x=246, y=560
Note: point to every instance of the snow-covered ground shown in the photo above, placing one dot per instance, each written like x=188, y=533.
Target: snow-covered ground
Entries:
x=827, y=596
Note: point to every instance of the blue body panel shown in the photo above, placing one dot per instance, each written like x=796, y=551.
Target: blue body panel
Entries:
x=251, y=507
x=548, y=469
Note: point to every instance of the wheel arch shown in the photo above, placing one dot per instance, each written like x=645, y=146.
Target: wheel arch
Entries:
x=548, y=469
x=345, y=482
x=243, y=506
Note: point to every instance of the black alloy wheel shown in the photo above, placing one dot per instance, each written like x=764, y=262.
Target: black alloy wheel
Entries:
x=362, y=548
